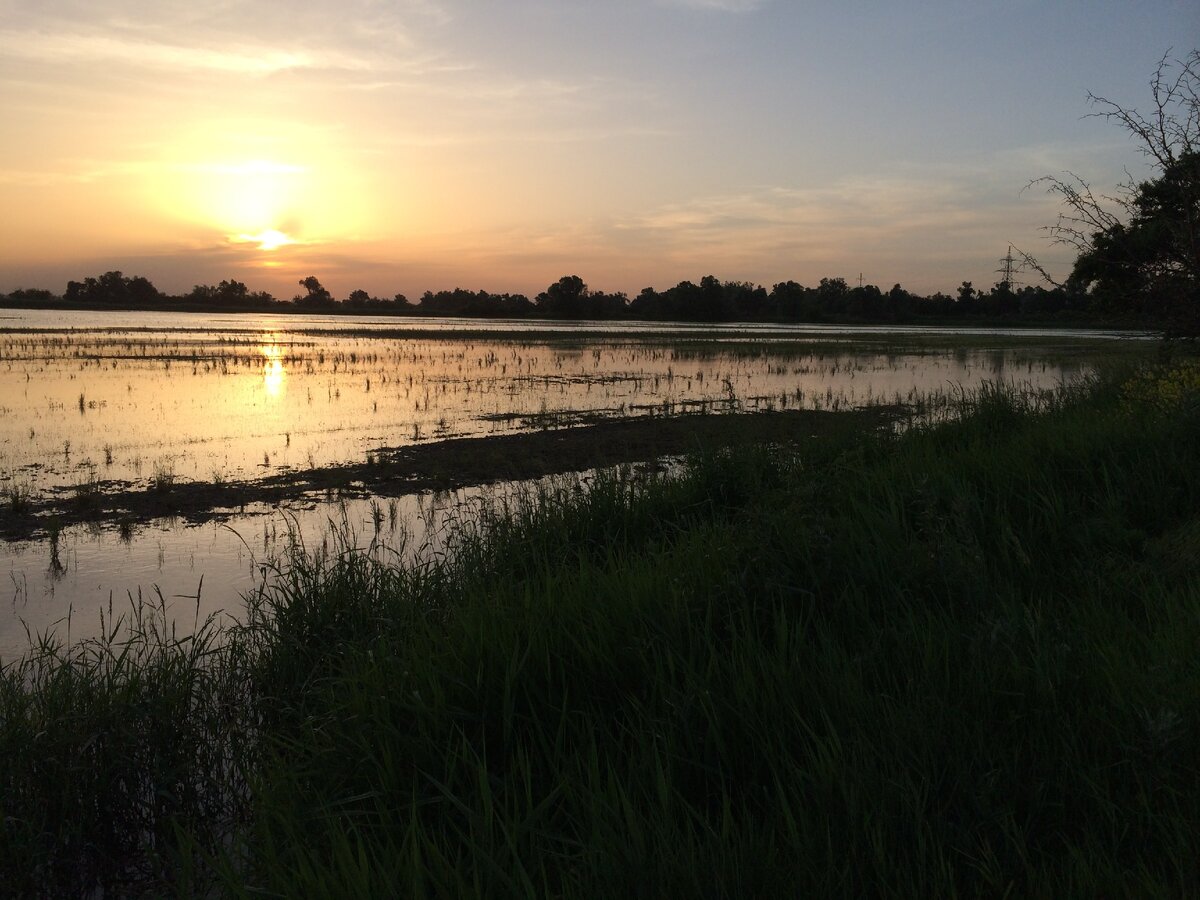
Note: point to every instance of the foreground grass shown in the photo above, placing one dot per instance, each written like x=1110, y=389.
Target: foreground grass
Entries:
x=961, y=661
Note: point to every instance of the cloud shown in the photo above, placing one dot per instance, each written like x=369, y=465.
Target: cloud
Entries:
x=236, y=37
x=730, y=6
x=68, y=48
x=90, y=171
x=926, y=229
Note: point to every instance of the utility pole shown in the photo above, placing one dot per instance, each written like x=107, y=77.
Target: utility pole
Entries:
x=860, y=280
x=1007, y=270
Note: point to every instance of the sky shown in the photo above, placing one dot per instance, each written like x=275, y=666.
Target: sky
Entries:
x=415, y=145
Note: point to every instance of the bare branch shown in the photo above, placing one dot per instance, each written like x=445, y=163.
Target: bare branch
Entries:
x=1028, y=263
x=1174, y=124
x=1168, y=134
x=1086, y=215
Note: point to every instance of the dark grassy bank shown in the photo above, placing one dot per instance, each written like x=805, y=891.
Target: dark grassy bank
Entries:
x=961, y=661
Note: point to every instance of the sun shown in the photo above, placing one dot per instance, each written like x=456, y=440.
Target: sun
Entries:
x=271, y=239
x=262, y=206
x=247, y=201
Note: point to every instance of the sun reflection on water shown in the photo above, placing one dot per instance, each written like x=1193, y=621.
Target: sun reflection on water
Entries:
x=274, y=374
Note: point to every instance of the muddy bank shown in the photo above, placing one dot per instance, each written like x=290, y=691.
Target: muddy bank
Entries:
x=437, y=465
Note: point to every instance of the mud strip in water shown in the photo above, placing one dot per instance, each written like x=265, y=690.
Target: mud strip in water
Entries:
x=440, y=465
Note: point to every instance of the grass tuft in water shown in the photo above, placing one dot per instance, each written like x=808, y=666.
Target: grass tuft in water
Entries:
x=18, y=498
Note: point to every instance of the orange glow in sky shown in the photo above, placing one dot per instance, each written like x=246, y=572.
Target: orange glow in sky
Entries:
x=427, y=144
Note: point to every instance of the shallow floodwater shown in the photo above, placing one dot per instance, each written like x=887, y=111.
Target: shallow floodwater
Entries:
x=138, y=398
x=79, y=406
x=66, y=587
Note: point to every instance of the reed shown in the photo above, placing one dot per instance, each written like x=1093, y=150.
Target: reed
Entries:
x=954, y=660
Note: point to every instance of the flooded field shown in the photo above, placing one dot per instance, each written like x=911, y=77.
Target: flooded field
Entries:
x=149, y=403
x=75, y=580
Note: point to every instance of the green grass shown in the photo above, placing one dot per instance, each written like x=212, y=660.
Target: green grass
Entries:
x=957, y=661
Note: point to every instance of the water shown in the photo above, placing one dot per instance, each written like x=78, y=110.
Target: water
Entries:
x=203, y=570
x=257, y=322
x=127, y=398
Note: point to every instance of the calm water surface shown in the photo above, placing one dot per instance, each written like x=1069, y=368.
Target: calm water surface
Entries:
x=133, y=397
x=202, y=570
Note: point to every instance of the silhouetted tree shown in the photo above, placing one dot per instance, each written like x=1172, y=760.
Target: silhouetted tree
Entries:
x=29, y=297
x=744, y=301
x=708, y=302
x=1142, y=245
x=864, y=302
x=788, y=302
x=232, y=294
x=900, y=303
x=647, y=304
x=564, y=298
x=681, y=301
x=113, y=288
x=317, y=297
x=831, y=295
x=1000, y=300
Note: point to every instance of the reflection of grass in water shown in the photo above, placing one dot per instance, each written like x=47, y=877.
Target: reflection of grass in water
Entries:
x=87, y=494
x=53, y=538
x=947, y=662
x=163, y=477
x=18, y=498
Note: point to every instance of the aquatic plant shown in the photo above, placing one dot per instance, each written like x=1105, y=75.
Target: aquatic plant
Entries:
x=163, y=476
x=18, y=497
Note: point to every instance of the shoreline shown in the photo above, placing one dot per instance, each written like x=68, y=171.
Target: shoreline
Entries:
x=438, y=465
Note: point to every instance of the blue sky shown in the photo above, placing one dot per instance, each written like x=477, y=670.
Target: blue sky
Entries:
x=427, y=144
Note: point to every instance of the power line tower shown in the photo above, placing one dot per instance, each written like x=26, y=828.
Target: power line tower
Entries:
x=1007, y=271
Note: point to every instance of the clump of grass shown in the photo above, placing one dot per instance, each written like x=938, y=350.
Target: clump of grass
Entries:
x=116, y=743
x=87, y=494
x=18, y=498
x=162, y=479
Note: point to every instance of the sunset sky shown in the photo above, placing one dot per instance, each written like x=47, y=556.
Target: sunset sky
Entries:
x=426, y=144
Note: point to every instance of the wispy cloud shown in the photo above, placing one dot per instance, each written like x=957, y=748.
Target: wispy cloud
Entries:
x=42, y=177
x=85, y=171
x=732, y=6
x=867, y=204
x=906, y=227
x=67, y=48
x=239, y=37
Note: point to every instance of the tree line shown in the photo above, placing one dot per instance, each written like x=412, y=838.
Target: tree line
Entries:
x=570, y=298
